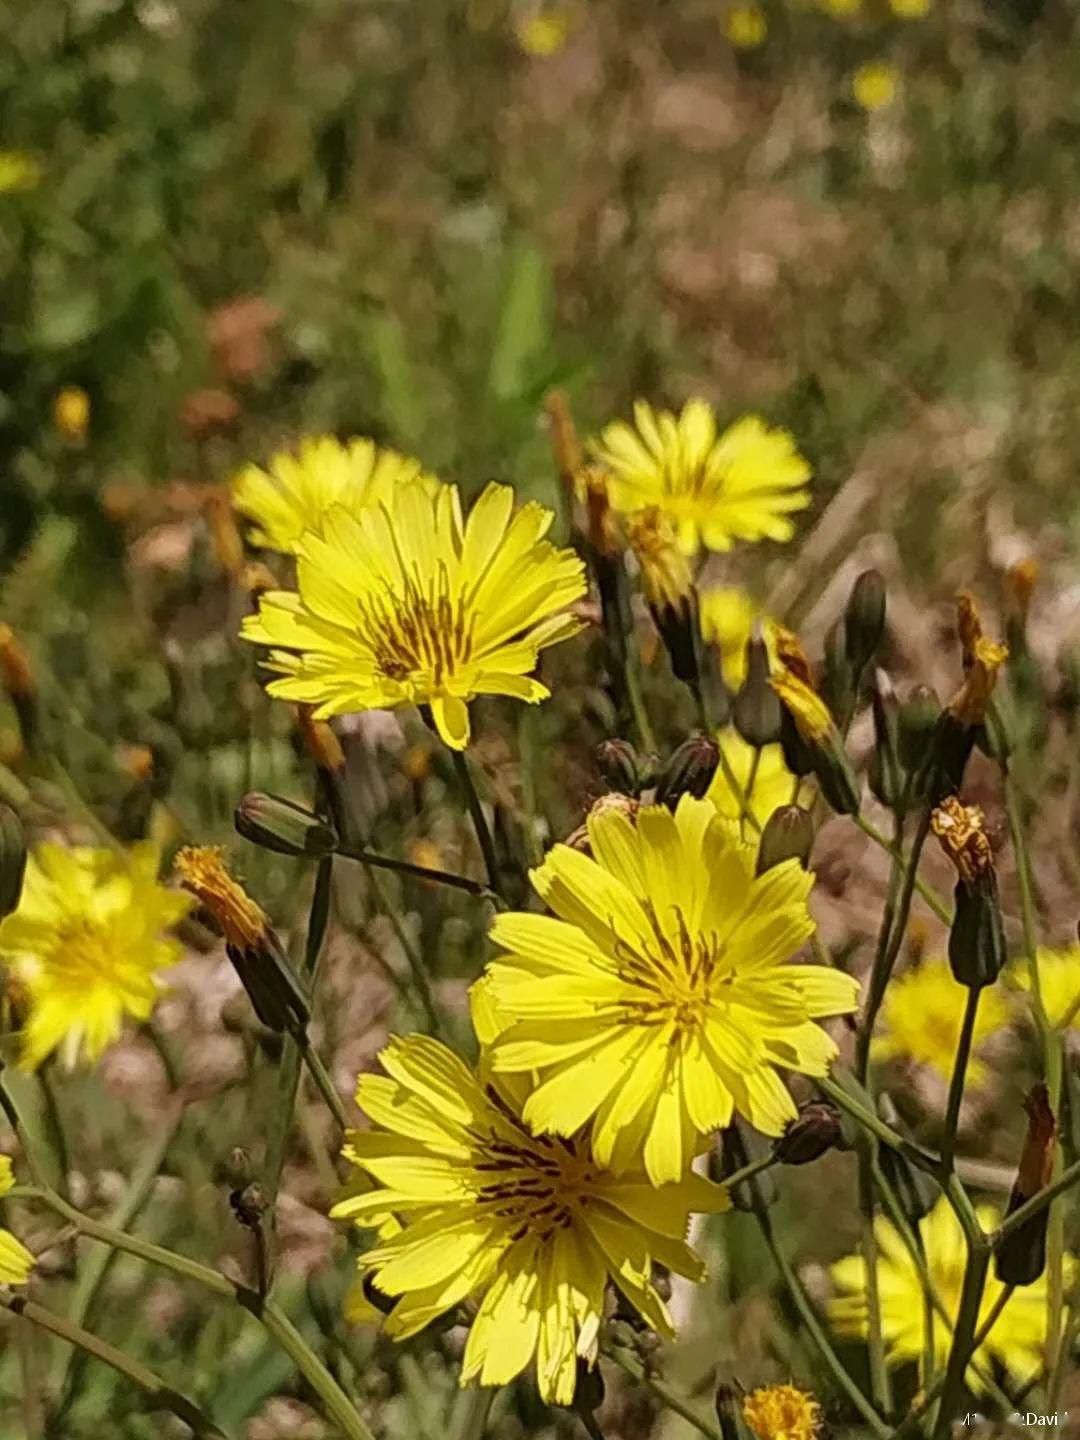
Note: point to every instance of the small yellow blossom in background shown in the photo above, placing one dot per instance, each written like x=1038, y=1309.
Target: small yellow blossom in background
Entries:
x=18, y=171
x=841, y=9
x=71, y=413
x=16, y=1262
x=87, y=943
x=1059, y=984
x=530, y=1228
x=1017, y=1339
x=295, y=491
x=781, y=1412
x=745, y=26
x=774, y=784
x=715, y=489
x=407, y=603
x=543, y=33
x=659, y=999
x=910, y=9
x=922, y=1016
x=727, y=616
x=875, y=85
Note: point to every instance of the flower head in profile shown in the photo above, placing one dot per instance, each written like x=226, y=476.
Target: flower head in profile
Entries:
x=923, y=1013
x=529, y=1227
x=782, y=1412
x=658, y=999
x=773, y=784
x=742, y=484
x=406, y=603
x=1018, y=1337
x=1059, y=984
x=86, y=945
x=295, y=491
x=16, y=1262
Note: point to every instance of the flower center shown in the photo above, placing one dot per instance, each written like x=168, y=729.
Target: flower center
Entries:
x=426, y=630
x=675, y=977
x=81, y=954
x=535, y=1181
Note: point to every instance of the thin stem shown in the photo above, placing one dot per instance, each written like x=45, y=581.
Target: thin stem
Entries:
x=939, y=906
x=419, y=872
x=471, y=1411
x=162, y=1396
x=959, y=1074
x=741, y=799
x=636, y=700
x=664, y=1393
x=413, y=958
x=321, y=1076
x=1038, y=1202
x=746, y=1172
x=875, y=1125
x=479, y=819
x=881, y=1388
x=964, y=1335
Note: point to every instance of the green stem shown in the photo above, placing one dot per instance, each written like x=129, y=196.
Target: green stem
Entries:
x=479, y=819
x=741, y=799
x=664, y=1393
x=875, y=1125
x=1038, y=1202
x=881, y=1388
x=321, y=1076
x=413, y=958
x=418, y=872
x=939, y=906
x=959, y=1074
x=162, y=1396
x=471, y=1411
x=636, y=700
x=964, y=1335
x=748, y=1171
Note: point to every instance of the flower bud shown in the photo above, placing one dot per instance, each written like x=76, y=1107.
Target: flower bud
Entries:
x=839, y=679
x=977, y=937
x=623, y=769
x=283, y=826
x=689, y=771
x=1021, y=1257
x=788, y=835
x=809, y=734
x=864, y=619
x=755, y=710
x=915, y=725
x=669, y=591
x=588, y=1387
x=884, y=776
x=729, y=1411
x=12, y=860
x=321, y=743
x=814, y=1130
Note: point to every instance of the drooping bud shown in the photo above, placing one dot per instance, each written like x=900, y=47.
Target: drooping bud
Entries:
x=788, y=835
x=12, y=860
x=250, y=942
x=864, y=619
x=283, y=826
x=755, y=710
x=814, y=1130
x=822, y=741
x=915, y=725
x=1021, y=1257
x=689, y=771
x=838, y=677
x=623, y=769
x=669, y=591
x=977, y=937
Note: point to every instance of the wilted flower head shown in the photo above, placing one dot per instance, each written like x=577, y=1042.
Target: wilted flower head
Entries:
x=960, y=829
x=716, y=489
x=665, y=571
x=202, y=870
x=87, y=943
x=781, y=1412
x=408, y=603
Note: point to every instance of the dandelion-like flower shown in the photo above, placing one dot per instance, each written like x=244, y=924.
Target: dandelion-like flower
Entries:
x=295, y=491
x=86, y=945
x=923, y=1014
x=782, y=1412
x=716, y=489
x=16, y=1262
x=658, y=999
x=1059, y=984
x=407, y=604
x=1018, y=1337
x=773, y=784
x=528, y=1226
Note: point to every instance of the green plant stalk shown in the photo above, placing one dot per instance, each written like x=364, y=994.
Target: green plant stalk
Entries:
x=939, y=906
x=335, y=1402
x=959, y=1075
x=1038, y=1201
x=162, y=1396
x=479, y=819
x=745, y=812
x=964, y=1336
x=471, y=1411
x=664, y=1393
x=321, y=1076
x=880, y=1385
x=746, y=1172
x=635, y=698
x=874, y=1125
x=412, y=956
x=418, y=872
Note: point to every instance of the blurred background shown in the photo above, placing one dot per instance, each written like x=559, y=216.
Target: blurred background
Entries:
x=224, y=225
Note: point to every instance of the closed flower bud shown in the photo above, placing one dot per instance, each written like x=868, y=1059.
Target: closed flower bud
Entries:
x=623, y=769
x=814, y=1130
x=839, y=678
x=977, y=937
x=283, y=826
x=1021, y=1257
x=915, y=725
x=588, y=1388
x=788, y=835
x=12, y=859
x=755, y=710
x=864, y=619
x=689, y=771
x=885, y=778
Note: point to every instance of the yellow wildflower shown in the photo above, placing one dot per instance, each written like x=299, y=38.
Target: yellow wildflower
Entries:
x=774, y=784
x=875, y=85
x=1059, y=984
x=923, y=1013
x=16, y=1262
x=86, y=943
x=716, y=489
x=71, y=413
x=18, y=171
x=910, y=9
x=806, y=707
x=727, y=617
x=202, y=871
x=543, y=33
x=841, y=9
x=781, y=1412
x=659, y=999
x=407, y=604
x=1018, y=1337
x=294, y=493
x=746, y=26
x=665, y=570
x=530, y=1228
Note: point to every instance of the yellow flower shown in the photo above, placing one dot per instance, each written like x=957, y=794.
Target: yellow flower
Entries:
x=745, y=26
x=875, y=85
x=202, y=870
x=543, y=33
x=1016, y=1340
x=71, y=413
x=741, y=485
x=780, y=1412
x=295, y=492
x=804, y=704
x=923, y=1013
x=86, y=943
x=530, y=1228
x=16, y=1262
x=841, y=9
x=774, y=784
x=910, y=9
x=660, y=999
x=665, y=571
x=727, y=621
x=407, y=604
x=18, y=171
x=1059, y=984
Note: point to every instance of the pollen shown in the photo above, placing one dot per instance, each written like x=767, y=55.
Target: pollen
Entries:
x=202, y=870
